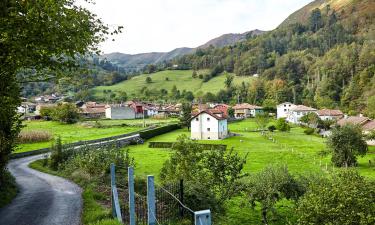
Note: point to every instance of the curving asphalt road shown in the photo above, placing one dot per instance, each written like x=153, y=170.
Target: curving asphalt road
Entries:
x=43, y=199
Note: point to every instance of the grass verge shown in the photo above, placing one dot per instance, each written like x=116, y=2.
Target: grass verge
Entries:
x=93, y=212
x=8, y=189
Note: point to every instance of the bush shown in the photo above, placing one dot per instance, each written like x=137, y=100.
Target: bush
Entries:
x=170, y=145
x=272, y=128
x=65, y=113
x=8, y=188
x=309, y=131
x=158, y=131
x=282, y=125
x=345, y=198
x=34, y=136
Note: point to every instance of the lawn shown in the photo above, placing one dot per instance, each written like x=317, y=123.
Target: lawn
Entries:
x=182, y=79
x=71, y=132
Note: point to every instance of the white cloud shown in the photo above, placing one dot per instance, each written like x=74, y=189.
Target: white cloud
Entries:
x=162, y=25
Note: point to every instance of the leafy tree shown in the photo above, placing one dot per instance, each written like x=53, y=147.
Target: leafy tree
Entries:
x=148, y=80
x=34, y=38
x=312, y=119
x=346, y=143
x=282, y=125
x=271, y=128
x=345, y=198
x=231, y=112
x=262, y=119
x=315, y=20
x=65, y=113
x=212, y=176
x=371, y=106
x=194, y=75
x=271, y=185
x=122, y=96
x=186, y=114
x=228, y=80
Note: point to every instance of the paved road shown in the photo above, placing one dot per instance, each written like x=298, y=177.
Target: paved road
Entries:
x=43, y=199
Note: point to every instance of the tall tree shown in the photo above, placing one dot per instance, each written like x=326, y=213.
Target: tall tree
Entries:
x=44, y=38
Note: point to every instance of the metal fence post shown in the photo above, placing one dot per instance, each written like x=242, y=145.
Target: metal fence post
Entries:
x=113, y=183
x=151, y=212
x=131, y=196
x=202, y=217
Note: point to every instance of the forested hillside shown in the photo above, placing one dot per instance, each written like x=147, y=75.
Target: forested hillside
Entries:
x=323, y=56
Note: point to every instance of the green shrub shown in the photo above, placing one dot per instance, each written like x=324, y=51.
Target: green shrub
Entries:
x=158, y=131
x=170, y=145
x=282, y=125
x=272, y=128
x=65, y=113
x=309, y=131
x=8, y=188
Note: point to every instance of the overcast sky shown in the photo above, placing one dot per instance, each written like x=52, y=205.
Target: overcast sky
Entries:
x=163, y=25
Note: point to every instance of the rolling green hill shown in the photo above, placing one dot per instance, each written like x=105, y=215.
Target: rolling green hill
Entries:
x=181, y=78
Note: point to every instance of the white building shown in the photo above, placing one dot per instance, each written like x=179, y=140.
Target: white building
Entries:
x=283, y=109
x=209, y=125
x=298, y=111
x=330, y=114
x=119, y=112
x=245, y=110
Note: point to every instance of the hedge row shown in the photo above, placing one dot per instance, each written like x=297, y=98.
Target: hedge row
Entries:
x=147, y=134
x=170, y=144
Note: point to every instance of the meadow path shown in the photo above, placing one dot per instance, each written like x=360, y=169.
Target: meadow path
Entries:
x=43, y=199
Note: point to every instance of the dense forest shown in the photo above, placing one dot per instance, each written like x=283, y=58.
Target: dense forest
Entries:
x=326, y=61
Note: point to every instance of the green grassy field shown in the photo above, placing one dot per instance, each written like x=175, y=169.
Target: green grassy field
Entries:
x=296, y=149
x=181, y=78
x=71, y=132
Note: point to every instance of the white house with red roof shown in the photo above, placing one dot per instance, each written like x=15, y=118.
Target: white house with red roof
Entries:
x=295, y=113
x=283, y=109
x=209, y=125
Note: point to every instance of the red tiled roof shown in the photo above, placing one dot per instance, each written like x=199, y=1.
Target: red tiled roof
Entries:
x=302, y=108
x=355, y=120
x=330, y=112
x=212, y=113
x=369, y=126
x=246, y=106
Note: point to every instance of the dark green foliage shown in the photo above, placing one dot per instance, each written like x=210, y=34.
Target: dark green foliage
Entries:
x=170, y=145
x=211, y=177
x=158, y=131
x=148, y=80
x=231, y=112
x=262, y=119
x=8, y=189
x=346, y=143
x=311, y=119
x=271, y=128
x=186, y=114
x=270, y=186
x=309, y=131
x=315, y=22
x=345, y=198
x=282, y=125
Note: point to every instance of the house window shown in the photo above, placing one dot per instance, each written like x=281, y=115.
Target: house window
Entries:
x=208, y=138
x=208, y=129
x=284, y=105
x=196, y=119
x=208, y=118
x=284, y=110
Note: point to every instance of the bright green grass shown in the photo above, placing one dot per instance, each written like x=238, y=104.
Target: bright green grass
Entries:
x=181, y=78
x=296, y=149
x=137, y=122
x=70, y=132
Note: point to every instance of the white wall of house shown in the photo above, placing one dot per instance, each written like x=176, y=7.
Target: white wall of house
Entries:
x=120, y=113
x=207, y=127
x=152, y=112
x=295, y=116
x=283, y=109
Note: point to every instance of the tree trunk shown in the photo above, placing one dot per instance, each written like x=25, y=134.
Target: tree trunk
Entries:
x=264, y=216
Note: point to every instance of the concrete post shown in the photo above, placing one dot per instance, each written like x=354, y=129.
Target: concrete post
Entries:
x=131, y=196
x=202, y=217
x=151, y=204
x=113, y=183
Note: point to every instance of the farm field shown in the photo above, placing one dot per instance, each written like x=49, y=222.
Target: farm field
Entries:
x=181, y=78
x=296, y=149
x=304, y=158
x=87, y=130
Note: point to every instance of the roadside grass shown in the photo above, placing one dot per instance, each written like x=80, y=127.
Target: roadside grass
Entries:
x=70, y=133
x=181, y=78
x=93, y=213
x=8, y=189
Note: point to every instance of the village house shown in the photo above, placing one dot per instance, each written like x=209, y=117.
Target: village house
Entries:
x=92, y=110
x=353, y=120
x=295, y=113
x=283, y=109
x=209, y=125
x=330, y=114
x=245, y=110
x=138, y=108
x=222, y=108
x=26, y=107
x=119, y=112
